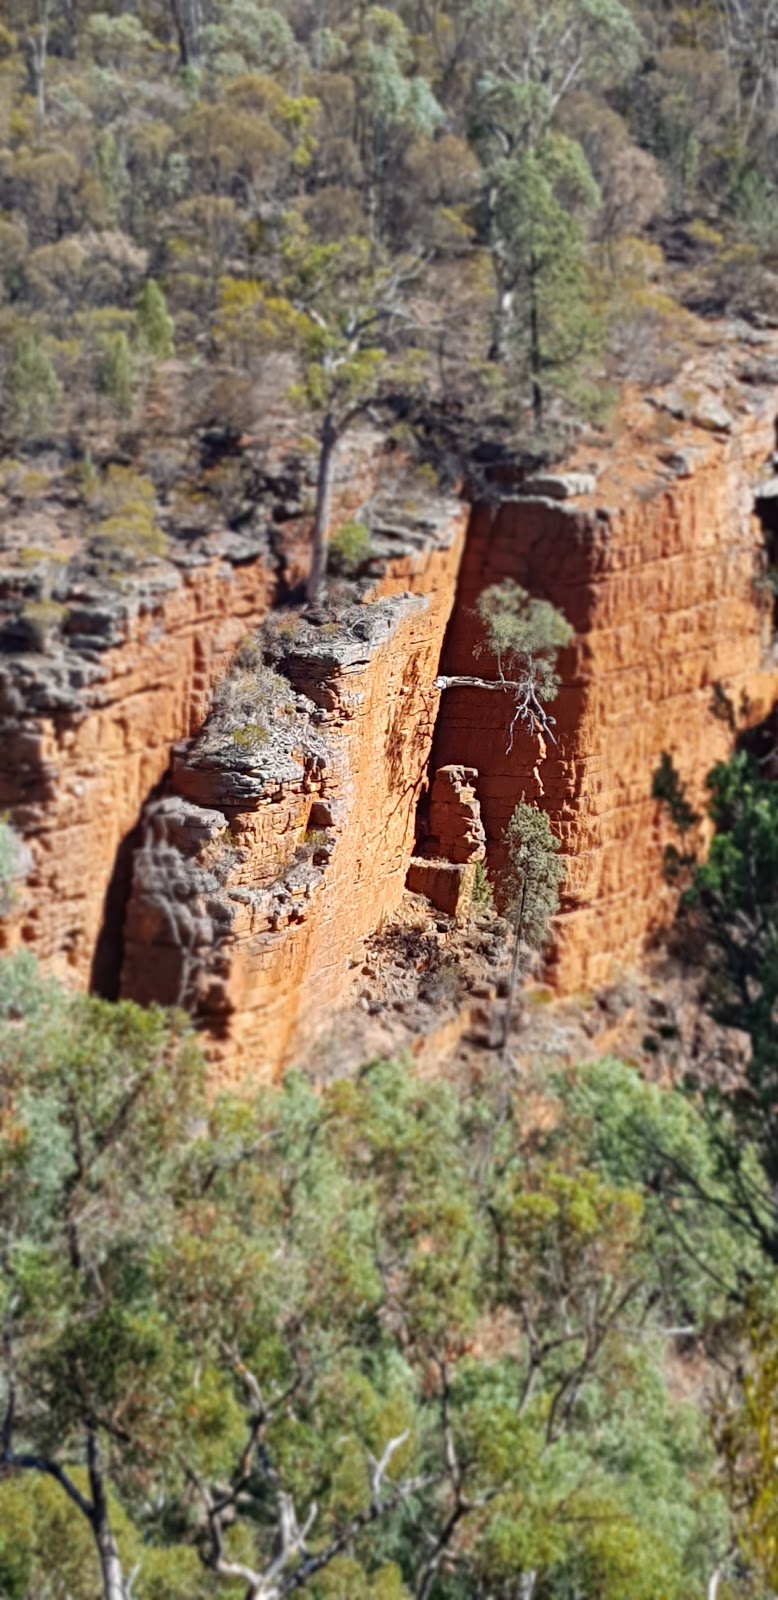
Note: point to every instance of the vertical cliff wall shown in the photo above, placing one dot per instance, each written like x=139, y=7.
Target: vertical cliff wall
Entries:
x=654, y=564
x=263, y=871
x=87, y=732
x=239, y=877
x=88, y=717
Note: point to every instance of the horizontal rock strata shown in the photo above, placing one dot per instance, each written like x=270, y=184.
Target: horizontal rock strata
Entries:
x=262, y=872
x=657, y=568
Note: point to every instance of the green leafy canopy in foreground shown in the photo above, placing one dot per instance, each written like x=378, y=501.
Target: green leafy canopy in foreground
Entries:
x=393, y=1338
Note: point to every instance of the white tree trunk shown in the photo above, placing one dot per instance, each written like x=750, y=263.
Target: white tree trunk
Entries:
x=110, y=1564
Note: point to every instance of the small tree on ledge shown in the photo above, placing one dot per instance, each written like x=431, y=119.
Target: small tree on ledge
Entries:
x=351, y=325
x=523, y=635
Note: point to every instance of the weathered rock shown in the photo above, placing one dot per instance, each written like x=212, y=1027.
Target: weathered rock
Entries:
x=446, y=884
x=559, y=485
x=456, y=830
x=88, y=738
x=661, y=594
x=710, y=413
x=267, y=973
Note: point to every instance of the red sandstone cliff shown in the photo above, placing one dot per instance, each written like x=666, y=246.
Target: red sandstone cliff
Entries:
x=655, y=567
x=253, y=886
x=321, y=820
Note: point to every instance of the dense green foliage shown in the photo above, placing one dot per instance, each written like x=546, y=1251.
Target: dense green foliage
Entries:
x=392, y=1338
x=734, y=902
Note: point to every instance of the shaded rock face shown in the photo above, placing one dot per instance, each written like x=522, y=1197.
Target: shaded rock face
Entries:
x=658, y=579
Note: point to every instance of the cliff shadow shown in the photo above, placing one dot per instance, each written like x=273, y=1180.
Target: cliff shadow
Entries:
x=105, y=975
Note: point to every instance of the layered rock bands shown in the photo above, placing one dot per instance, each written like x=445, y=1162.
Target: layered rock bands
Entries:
x=236, y=872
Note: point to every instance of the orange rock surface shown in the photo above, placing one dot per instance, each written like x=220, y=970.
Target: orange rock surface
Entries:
x=652, y=556
x=280, y=960
x=74, y=780
x=655, y=569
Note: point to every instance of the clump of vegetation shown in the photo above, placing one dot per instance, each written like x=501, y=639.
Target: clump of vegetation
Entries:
x=482, y=900
x=42, y=619
x=315, y=839
x=32, y=387
x=127, y=530
x=12, y=863
x=349, y=548
x=154, y=322
x=249, y=701
x=217, y=1279
x=530, y=889
x=250, y=737
x=668, y=787
x=114, y=373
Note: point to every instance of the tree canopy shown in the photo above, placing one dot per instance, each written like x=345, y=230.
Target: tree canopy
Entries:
x=395, y=1337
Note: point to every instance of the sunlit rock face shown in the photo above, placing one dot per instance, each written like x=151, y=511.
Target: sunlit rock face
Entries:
x=239, y=882
x=657, y=566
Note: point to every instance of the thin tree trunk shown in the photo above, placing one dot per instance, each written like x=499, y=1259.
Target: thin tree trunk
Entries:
x=515, y=967
x=110, y=1564
x=187, y=22
x=38, y=46
x=321, y=520
x=535, y=359
x=504, y=311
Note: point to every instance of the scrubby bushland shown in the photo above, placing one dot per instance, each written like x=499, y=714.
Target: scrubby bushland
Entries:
x=395, y=1338
x=466, y=202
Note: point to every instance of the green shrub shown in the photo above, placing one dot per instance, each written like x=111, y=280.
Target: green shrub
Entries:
x=32, y=387
x=483, y=896
x=155, y=324
x=128, y=531
x=349, y=548
x=114, y=373
x=42, y=618
x=12, y=864
x=250, y=736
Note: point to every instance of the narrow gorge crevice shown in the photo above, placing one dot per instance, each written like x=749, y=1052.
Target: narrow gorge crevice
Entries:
x=105, y=978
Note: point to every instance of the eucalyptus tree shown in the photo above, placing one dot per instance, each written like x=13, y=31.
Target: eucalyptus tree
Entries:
x=523, y=635
x=351, y=325
x=389, y=1338
x=538, y=186
x=96, y=1105
x=530, y=887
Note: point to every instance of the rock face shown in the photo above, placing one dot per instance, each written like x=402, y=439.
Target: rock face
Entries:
x=87, y=734
x=455, y=826
x=444, y=872
x=261, y=874
x=236, y=869
x=656, y=573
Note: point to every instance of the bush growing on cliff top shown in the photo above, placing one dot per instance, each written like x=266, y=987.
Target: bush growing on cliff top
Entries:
x=397, y=1336
x=127, y=531
x=348, y=548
